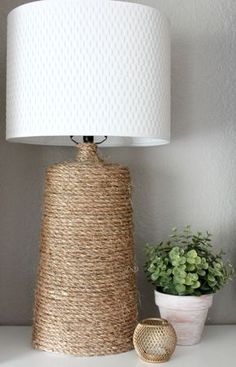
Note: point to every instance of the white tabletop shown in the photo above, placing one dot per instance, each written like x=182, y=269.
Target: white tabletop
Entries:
x=218, y=348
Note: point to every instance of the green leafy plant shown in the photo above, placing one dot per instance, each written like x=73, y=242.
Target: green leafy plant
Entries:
x=187, y=265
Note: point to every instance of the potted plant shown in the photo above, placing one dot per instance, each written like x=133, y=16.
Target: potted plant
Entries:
x=186, y=272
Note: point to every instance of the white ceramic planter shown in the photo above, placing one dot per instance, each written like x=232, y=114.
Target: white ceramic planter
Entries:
x=187, y=314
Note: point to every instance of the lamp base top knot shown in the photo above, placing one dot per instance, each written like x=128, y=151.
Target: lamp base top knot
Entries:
x=87, y=152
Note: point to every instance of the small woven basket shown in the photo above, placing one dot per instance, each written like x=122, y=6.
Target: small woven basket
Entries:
x=154, y=340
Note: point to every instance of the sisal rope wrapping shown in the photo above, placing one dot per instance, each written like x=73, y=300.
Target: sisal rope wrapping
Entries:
x=86, y=298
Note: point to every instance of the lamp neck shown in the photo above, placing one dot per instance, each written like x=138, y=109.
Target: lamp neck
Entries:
x=87, y=152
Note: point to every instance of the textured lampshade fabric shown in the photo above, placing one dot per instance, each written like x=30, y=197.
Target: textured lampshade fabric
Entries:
x=88, y=67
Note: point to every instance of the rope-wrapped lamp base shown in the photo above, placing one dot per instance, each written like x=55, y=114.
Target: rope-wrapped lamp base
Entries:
x=86, y=300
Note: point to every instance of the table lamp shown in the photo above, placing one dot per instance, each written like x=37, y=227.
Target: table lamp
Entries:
x=82, y=73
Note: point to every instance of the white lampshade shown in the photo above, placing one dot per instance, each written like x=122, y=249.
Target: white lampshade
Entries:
x=88, y=67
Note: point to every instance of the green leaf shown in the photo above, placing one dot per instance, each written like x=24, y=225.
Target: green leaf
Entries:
x=151, y=268
x=191, y=260
x=154, y=276
x=201, y=272
x=196, y=284
x=190, y=267
x=192, y=254
x=180, y=288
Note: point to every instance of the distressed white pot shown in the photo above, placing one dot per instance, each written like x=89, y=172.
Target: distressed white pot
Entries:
x=187, y=314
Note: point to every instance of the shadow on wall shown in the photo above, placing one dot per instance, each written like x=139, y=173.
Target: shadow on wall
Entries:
x=192, y=180
x=22, y=169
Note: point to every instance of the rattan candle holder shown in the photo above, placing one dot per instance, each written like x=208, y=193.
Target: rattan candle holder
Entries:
x=154, y=340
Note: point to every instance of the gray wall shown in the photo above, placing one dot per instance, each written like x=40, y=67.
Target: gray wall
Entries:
x=190, y=181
